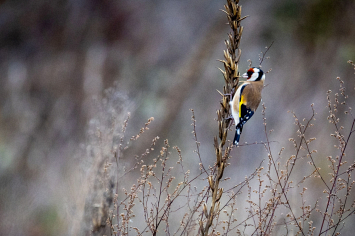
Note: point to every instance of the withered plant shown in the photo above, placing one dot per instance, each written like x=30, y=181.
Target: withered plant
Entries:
x=161, y=195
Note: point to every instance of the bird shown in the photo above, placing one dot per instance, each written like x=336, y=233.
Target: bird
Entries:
x=246, y=99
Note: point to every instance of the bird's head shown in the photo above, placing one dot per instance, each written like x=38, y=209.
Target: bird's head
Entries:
x=254, y=74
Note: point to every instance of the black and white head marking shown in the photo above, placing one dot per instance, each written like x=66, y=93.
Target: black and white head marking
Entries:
x=254, y=74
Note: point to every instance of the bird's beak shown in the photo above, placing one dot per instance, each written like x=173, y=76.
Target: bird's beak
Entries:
x=245, y=76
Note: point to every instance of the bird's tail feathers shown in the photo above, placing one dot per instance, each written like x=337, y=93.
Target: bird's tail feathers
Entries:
x=238, y=131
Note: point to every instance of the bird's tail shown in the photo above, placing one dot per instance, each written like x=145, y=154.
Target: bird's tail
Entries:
x=238, y=131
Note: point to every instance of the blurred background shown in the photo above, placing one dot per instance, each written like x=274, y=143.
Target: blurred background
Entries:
x=57, y=59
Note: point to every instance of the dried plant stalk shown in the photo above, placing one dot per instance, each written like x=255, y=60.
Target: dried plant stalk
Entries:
x=231, y=77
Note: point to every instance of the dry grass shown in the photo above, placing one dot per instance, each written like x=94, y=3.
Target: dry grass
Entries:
x=168, y=198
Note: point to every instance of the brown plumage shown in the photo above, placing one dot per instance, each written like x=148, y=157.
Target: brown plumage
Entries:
x=251, y=95
x=247, y=99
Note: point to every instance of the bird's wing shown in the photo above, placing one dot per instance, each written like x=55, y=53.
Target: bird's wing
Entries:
x=245, y=110
x=250, y=96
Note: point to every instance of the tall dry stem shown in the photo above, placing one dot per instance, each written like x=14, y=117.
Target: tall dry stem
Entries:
x=231, y=77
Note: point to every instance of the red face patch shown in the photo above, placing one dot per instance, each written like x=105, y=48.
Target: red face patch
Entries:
x=250, y=72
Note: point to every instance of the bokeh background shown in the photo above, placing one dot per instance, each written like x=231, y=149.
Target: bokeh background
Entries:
x=159, y=58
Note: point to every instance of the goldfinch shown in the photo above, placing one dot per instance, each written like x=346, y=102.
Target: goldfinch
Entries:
x=247, y=99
